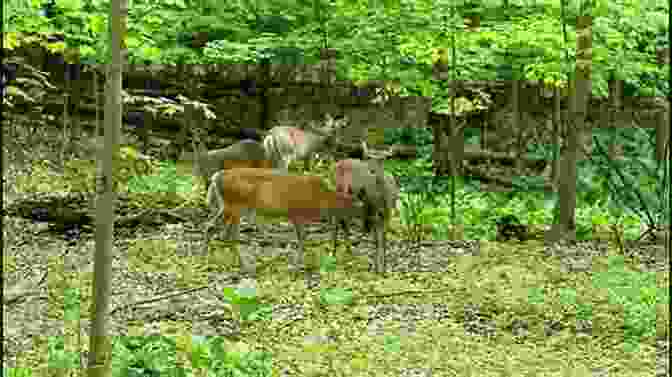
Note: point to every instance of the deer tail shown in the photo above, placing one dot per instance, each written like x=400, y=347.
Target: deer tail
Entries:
x=214, y=198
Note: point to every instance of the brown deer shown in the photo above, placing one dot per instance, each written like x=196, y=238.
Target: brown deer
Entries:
x=302, y=197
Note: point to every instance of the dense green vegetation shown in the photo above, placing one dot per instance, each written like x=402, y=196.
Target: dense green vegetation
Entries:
x=507, y=284
x=392, y=41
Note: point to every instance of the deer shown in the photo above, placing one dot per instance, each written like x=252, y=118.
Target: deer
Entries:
x=361, y=179
x=240, y=191
x=244, y=154
x=303, y=197
x=286, y=144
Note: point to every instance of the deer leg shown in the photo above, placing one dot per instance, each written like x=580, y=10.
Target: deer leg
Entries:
x=215, y=201
x=233, y=228
x=379, y=227
x=233, y=232
x=233, y=235
x=340, y=221
x=346, y=231
x=300, y=235
x=213, y=223
x=335, y=223
x=251, y=215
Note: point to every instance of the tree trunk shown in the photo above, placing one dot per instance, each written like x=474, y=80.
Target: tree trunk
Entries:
x=566, y=226
x=100, y=347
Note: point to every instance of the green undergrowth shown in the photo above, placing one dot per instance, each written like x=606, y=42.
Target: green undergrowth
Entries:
x=534, y=318
x=509, y=309
x=423, y=212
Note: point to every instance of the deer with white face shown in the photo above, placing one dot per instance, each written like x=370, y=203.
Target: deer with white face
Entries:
x=286, y=144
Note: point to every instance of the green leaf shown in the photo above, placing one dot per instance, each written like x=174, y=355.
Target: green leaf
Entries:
x=133, y=42
x=72, y=5
x=336, y=296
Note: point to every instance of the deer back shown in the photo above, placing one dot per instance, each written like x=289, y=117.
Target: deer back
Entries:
x=293, y=141
x=303, y=197
x=246, y=153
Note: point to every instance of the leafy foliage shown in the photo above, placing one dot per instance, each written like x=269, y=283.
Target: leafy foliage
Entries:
x=395, y=41
x=634, y=185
